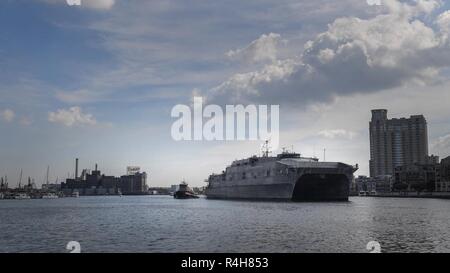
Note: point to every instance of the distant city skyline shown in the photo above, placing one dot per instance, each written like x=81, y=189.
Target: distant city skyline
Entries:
x=98, y=81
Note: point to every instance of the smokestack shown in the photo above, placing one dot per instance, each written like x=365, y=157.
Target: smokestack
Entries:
x=96, y=167
x=76, y=168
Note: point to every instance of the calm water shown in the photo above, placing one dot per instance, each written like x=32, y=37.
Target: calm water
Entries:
x=162, y=224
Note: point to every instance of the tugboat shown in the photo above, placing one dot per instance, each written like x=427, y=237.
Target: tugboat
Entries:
x=184, y=192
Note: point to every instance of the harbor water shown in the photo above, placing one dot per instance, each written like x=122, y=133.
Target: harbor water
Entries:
x=164, y=224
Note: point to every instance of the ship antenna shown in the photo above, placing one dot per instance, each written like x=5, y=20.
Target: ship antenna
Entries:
x=266, y=148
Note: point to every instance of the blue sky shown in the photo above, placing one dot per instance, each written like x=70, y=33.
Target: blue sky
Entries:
x=111, y=71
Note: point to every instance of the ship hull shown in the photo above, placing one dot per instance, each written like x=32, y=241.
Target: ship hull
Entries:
x=285, y=177
x=312, y=187
x=184, y=195
x=258, y=192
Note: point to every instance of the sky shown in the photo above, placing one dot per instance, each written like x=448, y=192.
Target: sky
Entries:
x=98, y=81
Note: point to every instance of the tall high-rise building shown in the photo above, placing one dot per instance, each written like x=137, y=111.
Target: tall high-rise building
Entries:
x=396, y=142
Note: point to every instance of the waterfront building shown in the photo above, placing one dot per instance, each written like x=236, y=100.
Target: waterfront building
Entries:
x=110, y=184
x=133, y=184
x=383, y=183
x=396, y=142
x=365, y=184
x=432, y=159
x=199, y=190
x=444, y=184
x=96, y=183
x=373, y=185
x=159, y=190
x=418, y=177
x=353, y=187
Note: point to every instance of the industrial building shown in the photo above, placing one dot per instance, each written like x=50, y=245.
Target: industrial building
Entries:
x=95, y=183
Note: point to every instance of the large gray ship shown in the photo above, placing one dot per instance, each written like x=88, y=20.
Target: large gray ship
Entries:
x=287, y=176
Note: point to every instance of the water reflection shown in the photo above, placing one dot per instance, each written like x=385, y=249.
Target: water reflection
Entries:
x=162, y=224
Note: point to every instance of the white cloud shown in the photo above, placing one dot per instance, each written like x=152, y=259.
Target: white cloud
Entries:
x=262, y=49
x=71, y=117
x=7, y=115
x=443, y=21
x=91, y=4
x=78, y=96
x=354, y=55
x=404, y=9
x=163, y=42
x=241, y=87
x=337, y=133
x=441, y=145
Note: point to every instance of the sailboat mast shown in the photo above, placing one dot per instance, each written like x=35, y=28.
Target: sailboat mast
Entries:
x=20, y=178
x=48, y=170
